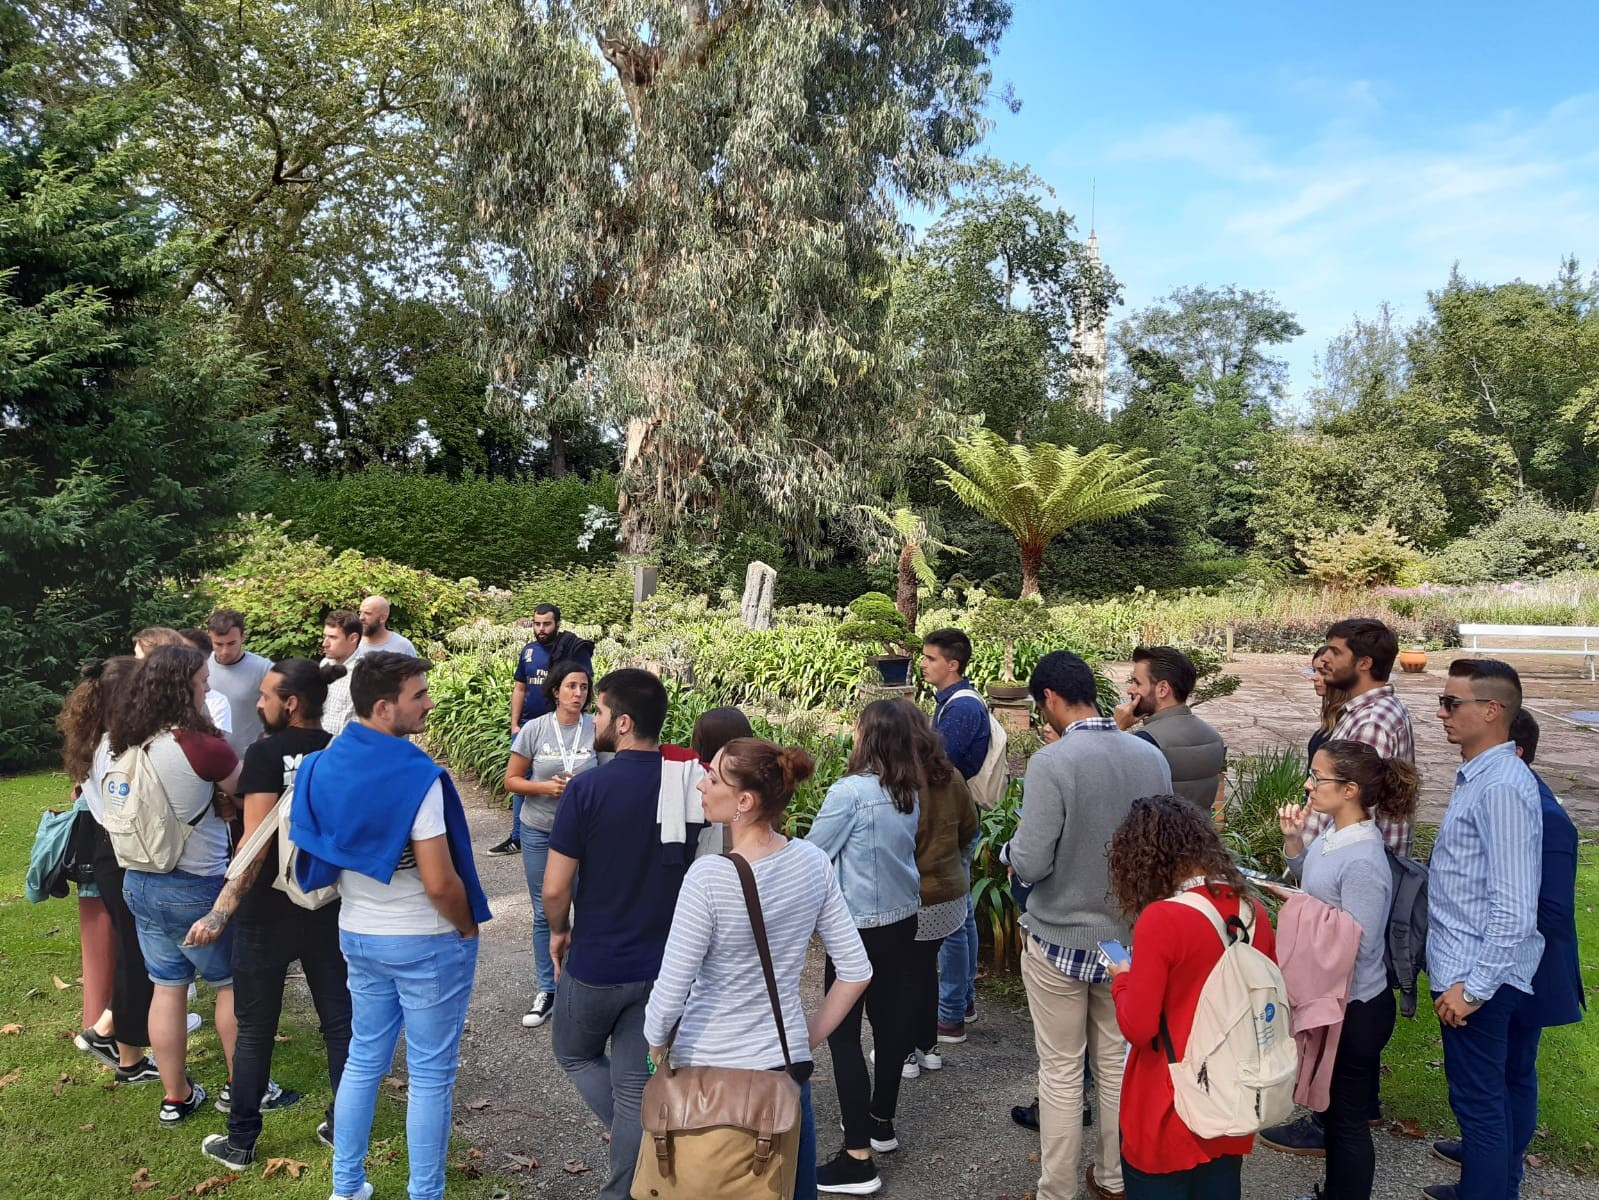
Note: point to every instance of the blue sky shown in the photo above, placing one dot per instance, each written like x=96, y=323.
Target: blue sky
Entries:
x=1336, y=155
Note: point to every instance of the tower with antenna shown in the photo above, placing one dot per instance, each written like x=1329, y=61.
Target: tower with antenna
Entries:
x=1090, y=343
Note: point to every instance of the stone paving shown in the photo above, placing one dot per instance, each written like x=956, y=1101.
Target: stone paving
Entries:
x=1275, y=705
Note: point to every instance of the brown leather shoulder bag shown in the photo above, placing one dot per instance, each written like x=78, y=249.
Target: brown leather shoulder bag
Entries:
x=723, y=1132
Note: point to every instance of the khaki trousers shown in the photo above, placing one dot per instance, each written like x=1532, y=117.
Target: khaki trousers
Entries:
x=1069, y=1018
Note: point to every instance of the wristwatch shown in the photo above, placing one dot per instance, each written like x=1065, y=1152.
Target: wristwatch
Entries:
x=1472, y=1001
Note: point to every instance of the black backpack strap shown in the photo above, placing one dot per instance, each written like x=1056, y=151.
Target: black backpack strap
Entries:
x=752, y=901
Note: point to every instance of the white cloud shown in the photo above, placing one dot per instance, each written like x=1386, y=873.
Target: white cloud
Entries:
x=1365, y=210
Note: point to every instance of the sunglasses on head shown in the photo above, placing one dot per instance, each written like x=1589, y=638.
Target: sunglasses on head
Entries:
x=1450, y=703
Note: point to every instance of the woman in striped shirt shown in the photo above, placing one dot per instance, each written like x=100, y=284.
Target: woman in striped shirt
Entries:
x=711, y=985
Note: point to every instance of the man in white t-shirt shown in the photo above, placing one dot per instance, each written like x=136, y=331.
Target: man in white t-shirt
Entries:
x=376, y=813
x=376, y=631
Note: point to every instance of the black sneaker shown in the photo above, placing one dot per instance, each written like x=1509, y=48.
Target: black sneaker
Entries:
x=848, y=1176
x=142, y=1071
x=324, y=1134
x=217, y=1146
x=883, y=1139
x=174, y=1112
x=1449, y=1152
x=1441, y=1191
x=509, y=846
x=543, y=1008
x=103, y=1048
x=1026, y=1115
x=276, y=1098
x=1303, y=1137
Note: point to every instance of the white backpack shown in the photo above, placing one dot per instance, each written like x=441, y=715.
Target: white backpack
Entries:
x=144, y=832
x=276, y=825
x=1237, y=1076
x=988, y=785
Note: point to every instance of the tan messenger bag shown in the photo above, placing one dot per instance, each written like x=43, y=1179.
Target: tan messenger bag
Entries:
x=723, y=1133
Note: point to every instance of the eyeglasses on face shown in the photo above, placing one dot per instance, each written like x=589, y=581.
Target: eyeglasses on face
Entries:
x=1317, y=780
x=1450, y=703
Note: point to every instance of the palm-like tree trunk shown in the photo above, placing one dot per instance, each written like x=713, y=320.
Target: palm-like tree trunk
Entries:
x=1032, y=563
x=905, y=591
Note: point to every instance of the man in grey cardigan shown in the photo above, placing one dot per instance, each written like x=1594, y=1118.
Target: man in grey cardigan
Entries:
x=1077, y=791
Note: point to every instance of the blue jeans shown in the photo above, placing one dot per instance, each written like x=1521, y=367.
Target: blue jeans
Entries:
x=163, y=908
x=1491, y=1066
x=516, y=816
x=957, y=961
x=805, y=1176
x=422, y=983
x=535, y=853
x=587, y=1017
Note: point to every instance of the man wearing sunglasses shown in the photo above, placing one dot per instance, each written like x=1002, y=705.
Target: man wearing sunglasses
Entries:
x=1483, y=944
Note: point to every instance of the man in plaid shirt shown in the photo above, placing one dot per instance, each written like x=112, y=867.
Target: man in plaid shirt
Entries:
x=1360, y=658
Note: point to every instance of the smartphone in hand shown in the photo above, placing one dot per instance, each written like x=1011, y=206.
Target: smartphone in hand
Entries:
x=1115, y=953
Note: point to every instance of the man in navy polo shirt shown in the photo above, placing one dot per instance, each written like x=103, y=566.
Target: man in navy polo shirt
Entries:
x=608, y=836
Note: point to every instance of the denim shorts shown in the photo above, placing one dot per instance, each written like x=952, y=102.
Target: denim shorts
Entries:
x=164, y=907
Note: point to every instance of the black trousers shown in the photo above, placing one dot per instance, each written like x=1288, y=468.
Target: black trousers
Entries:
x=262, y=952
x=888, y=1005
x=924, y=981
x=1351, y=1159
x=1219, y=1179
x=131, y=989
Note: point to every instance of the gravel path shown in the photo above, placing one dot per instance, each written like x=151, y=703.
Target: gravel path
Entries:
x=514, y=1104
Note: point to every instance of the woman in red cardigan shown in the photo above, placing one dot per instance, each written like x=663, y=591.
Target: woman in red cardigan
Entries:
x=1165, y=847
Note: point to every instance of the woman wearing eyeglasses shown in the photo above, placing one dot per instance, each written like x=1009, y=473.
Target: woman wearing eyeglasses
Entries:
x=1347, y=868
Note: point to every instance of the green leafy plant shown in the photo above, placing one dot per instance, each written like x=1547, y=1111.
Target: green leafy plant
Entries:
x=1007, y=622
x=1039, y=492
x=285, y=587
x=1365, y=557
x=1257, y=785
x=873, y=619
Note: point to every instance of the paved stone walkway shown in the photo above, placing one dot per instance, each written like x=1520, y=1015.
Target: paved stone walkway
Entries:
x=1275, y=705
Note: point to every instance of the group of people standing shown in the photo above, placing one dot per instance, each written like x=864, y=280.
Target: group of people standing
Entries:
x=219, y=739
x=644, y=948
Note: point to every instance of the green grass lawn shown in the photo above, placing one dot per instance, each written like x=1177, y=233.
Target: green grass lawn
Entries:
x=1568, y=1059
x=68, y=1132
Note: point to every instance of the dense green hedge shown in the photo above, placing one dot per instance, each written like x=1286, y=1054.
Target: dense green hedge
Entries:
x=491, y=530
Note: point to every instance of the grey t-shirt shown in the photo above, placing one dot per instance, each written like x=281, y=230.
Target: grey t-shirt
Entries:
x=241, y=684
x=552, y=748
x=395, y=643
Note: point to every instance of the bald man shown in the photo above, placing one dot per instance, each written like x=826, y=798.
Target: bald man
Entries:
x=375, y=631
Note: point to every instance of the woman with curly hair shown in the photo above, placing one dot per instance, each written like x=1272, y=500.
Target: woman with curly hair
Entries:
x=163, y=710
x=113, y=1032
x=1166, y=847
x=1347, y=868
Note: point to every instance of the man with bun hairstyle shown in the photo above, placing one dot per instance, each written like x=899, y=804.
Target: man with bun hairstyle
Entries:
x=270, y=931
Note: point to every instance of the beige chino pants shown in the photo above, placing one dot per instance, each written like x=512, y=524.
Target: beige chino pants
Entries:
x=1070, y=1018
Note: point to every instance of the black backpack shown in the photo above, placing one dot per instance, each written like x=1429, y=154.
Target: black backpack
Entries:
x=1405, y=950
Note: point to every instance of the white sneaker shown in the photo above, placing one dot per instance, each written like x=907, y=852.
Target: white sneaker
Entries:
x=364, y=1193
x=912, y=1068
x=929, y=1060
x=195, y=1021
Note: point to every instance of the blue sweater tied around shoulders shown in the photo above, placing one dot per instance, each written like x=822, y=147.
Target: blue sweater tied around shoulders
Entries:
x=355, y=803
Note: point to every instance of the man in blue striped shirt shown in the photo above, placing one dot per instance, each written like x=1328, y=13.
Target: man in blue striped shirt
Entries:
x=1483, y=943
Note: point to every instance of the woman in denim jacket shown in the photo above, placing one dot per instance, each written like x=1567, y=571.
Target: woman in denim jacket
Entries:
x=867, y=825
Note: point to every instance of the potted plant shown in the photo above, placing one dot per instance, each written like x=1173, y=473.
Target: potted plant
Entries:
x=874, y=620
x=1414, y=660
x=1006, y=621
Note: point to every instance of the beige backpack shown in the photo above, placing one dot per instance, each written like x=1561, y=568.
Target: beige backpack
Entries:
x=1237, y=1075
x=145, y=833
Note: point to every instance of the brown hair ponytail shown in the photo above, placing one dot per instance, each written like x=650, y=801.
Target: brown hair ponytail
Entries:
x=769, y=771
x=1388, y=786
